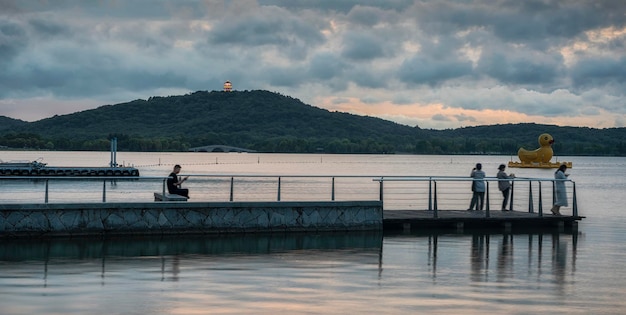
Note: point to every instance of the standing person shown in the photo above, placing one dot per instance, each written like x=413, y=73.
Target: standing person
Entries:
x=561, y=193
x=478, y=187
x=173, y=183
x=504, y=185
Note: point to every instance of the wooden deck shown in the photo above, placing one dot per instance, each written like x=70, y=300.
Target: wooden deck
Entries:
x=412, y=220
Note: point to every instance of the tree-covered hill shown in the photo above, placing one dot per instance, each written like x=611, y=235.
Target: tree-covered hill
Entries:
x=271, y=122
x=258, y=120
x=7, y=123
x=568, y=140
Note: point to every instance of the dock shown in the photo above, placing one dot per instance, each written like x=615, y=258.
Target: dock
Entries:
x=275, y=203
x=38, y=169
x=26, y=170
x=407, y=220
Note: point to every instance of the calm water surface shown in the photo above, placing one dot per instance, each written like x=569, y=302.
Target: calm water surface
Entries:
x=340, y=273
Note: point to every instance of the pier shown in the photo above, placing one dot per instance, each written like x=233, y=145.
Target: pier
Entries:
x=38, y=169
x=461, y=220
x=27, y=169
x=52, y=206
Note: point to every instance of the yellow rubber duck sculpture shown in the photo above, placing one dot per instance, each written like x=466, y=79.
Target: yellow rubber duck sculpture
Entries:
x=541, y=155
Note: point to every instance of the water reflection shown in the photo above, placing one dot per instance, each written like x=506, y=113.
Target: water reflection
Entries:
x=498, y=258
x=84, y=248
x=169, y=249
x=267, y=273
x=479, y=257
x=534, y=254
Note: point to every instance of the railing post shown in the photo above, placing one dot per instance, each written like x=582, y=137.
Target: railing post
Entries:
x=430, y=194
x=540, y=201
x=46, y=198
x=164, y=184
x=380, y=189
x=278, y=189
x=574, y=201
x=232, y=180
x=511, y=197
x=104, y=190
x=332, y=194
x=531, y=208
x=487, y=199
x=435, y=214
x=553, y=192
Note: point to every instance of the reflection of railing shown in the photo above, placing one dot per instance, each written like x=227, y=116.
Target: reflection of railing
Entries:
x=434, y=193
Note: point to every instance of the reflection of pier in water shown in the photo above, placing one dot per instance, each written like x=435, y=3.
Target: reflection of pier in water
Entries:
x=497, y=257
x=114, y=255
x=480, y=255
x=492, y=257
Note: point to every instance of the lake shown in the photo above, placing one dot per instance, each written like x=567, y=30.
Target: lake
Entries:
x=329, y=273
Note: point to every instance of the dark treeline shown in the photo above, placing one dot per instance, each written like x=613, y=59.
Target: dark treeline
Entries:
x=270, y=122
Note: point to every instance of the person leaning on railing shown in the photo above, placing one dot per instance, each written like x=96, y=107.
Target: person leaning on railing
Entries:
x=504, y=185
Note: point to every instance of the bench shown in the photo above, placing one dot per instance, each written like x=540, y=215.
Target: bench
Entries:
x=158, y=196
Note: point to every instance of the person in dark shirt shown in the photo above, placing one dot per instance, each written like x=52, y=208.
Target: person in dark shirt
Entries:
x=478, y=188
x=504, y=185
x=173, y=183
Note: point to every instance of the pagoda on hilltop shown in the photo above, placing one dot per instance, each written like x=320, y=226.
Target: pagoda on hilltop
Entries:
x=228, y=87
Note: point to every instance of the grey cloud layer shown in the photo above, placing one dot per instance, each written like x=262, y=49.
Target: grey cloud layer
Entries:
x=343, y=48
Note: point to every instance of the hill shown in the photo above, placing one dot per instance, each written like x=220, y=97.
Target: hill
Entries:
x=271, y=122
x=7, y=123
x=259, y=120
x=568, y=140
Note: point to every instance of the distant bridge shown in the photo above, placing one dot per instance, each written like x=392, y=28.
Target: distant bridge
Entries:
x=219, y=148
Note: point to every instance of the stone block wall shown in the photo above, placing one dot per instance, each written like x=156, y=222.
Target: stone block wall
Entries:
x=37, y=220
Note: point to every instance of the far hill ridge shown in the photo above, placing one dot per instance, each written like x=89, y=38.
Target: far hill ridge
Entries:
x=264, y=121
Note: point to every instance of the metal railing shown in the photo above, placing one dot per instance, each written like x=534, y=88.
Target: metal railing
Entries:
x=433, y=193
x=532, y=191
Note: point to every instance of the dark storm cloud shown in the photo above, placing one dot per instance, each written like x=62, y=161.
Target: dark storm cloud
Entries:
x=432, y=71
x=48, y=29
x=326, y=66
x=273, y=27
x=284, y=76
x=510, y=67
x=465, y=118
x=608, y=72
x=13, y=38
x=362, y=46
x=80, y=80
x=366, y=16
x=370, y=79
x=9, y=7
x=514, y=21
x=439, y=117
x=536, y=57
x=343, y=6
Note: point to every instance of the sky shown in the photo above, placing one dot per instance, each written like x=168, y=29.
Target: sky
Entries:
x=434, y=64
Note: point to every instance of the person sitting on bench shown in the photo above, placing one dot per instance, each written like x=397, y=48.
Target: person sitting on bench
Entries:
x=173, y=183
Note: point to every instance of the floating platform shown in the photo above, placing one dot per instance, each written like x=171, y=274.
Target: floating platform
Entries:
x=539, y=164
x=36, y=168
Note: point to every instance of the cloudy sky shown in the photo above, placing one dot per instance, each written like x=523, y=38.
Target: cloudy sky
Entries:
x=436, y=64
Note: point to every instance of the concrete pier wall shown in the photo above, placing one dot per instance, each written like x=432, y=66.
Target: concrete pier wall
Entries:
x=40, y=220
